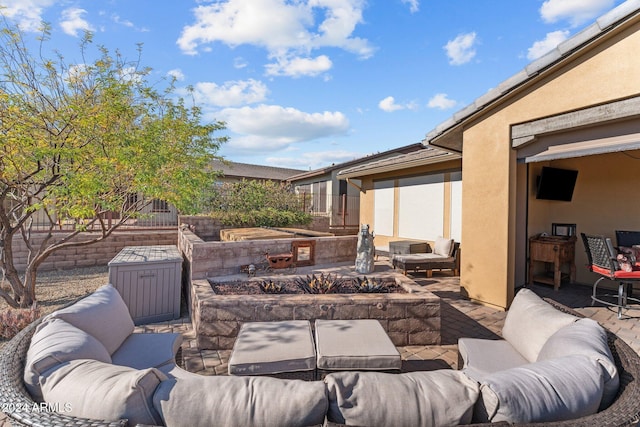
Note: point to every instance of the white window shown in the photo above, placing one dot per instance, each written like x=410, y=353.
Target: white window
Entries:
x=383, y=208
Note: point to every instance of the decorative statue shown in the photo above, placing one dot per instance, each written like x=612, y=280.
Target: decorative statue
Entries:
x=365, y=251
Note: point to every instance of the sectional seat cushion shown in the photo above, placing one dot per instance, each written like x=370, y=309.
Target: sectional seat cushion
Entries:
x=482, y=357
x=586, y=337
x=530, y=322
x=359, y=344
x=436, y=398
x=264, y=348
x=102, y=314
x=55, y=342
x=92, y=389
x=147, y=350
x=552, y=390
x=200, y=401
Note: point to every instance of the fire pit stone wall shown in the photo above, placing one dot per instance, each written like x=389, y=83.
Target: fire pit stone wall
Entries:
x=411, y=318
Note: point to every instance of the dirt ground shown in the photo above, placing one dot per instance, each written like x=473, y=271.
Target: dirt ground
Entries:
x=55, y=289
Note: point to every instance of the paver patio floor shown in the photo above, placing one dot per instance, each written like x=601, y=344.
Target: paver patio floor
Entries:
x=459, y=318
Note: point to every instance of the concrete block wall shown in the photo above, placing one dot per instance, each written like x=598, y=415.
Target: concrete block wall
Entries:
x=209, y=228
x=211, y=259
x=95, y=254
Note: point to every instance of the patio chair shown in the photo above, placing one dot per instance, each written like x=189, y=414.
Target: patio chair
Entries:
x=602, y=259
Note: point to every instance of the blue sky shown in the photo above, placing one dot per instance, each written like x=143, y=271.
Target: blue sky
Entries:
x=306, y=83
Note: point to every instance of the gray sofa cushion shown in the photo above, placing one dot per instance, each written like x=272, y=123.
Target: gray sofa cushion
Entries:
x=56, y=342
x=199, y=401
x=97, y=390
x=552, y=390
x=273, y=347
x=102, y=314
x=483, y=357
x=437, y=398
x=530, y=322
x=355, y=344
x=586, y=337
x=147, y=350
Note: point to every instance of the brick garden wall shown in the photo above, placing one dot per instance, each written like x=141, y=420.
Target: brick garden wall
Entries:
x=96, y=254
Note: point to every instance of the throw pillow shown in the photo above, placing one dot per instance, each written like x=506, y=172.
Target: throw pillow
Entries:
x=102, y=314
x=199, y=401
x=101, y=391
x=530, y=322
x=552, y=390
x=436, y=398
x=443, y=247
x=585, y=337
x=54, y=343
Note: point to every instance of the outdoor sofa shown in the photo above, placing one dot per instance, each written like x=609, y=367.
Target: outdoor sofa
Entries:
x=445, y=255
x=154, y=391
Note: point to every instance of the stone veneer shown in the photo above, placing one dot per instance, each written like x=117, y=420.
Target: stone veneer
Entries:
x=411, y=318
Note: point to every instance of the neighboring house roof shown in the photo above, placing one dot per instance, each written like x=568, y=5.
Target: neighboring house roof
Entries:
x=604, y=24
x=339, y=166
x=249, y=171
x=425, y=156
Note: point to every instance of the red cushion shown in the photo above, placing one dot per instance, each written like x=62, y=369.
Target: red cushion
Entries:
x=618, y=274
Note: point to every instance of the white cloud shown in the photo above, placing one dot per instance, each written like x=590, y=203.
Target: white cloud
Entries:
x=296, y=67
x=176, y=73
x=461, y=49
x=229, y=94
x=389, y=105
x=541, y=47
x=239, y=62
x=283, y=28
x=26, y=13
x=441, y=101
x=414, y=5
x=268, y=127
x=314, y=160
x=575, y=11
x=72, y=21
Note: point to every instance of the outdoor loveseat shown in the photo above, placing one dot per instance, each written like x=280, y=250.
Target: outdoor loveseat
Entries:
x=175, y=397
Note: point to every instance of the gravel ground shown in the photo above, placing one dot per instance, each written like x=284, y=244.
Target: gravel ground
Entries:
x=55, y=289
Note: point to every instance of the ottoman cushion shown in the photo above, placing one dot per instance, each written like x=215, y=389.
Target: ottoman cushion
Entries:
x=264, y=348
x=355, y=344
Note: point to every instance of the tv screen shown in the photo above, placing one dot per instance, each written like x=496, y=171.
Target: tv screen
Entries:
x=556, y=184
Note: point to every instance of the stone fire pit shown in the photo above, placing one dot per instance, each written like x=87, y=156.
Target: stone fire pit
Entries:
x=411, y=318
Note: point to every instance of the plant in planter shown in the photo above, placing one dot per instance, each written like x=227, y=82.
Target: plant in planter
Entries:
x=370, y=285
x=319, y=284
x=271, y=287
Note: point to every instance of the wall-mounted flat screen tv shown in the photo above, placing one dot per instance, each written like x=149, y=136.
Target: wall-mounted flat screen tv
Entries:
x=556, y=184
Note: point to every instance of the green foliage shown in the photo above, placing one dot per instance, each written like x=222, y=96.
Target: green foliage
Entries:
x=76, y=140
x=257, y=204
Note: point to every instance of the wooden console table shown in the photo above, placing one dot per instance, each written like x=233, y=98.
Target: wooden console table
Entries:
x=552, y=250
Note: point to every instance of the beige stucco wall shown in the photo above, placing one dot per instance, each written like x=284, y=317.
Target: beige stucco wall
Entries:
x=367, y=194
x=490, y=212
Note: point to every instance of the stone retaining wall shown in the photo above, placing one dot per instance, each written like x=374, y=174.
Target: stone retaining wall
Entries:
x=409, y=319
x=95, y=254
x=211, y=259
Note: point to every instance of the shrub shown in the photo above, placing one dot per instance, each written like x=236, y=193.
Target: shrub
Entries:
x=257, y=204
x=13, y=320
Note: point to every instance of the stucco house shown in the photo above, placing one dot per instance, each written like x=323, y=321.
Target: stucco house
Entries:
x=331, y=195
x=415, y=196
x=576, y=108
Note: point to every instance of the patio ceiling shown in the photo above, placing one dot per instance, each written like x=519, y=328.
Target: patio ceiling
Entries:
x=587, y=148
